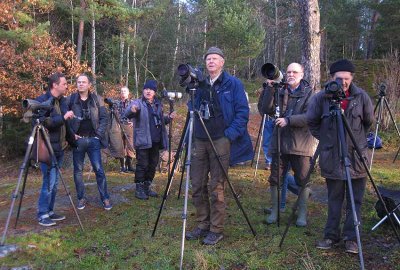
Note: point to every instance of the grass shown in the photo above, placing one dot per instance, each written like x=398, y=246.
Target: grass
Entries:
x=121, y=238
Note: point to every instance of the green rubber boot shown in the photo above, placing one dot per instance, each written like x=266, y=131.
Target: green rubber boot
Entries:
x=273, y=216
x=302, y=210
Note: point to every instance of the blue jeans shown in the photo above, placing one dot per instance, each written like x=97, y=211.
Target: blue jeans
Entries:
x=92, y=147
x=48, y=192
x=268, y=129
x=289, y=183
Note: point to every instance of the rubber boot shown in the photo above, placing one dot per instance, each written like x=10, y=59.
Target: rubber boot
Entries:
x=274, y=205
x=140, y=192
x=122, y=162
x=302, y=210
x=128, y=164
x=148, y=191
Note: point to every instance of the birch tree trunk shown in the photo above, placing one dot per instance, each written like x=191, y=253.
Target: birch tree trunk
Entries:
x=121, y=57
x=135, y=68
x=178, y=30
x=310, y=41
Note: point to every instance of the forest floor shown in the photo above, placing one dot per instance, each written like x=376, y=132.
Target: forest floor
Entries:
x=121, y=238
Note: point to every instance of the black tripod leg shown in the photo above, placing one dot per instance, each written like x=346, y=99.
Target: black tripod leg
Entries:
x=169, y=183
x=395, y=125
x=378, y=193
x=226, y=174
x=378, y=122
x=22, y=192
x=25, y=163
x=279, y=176
x=258, y=139
x=55, y=163
x=296, y=204
x=340, y=119
x=183, y=173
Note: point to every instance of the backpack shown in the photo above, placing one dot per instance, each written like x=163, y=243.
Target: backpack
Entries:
x=370, y=141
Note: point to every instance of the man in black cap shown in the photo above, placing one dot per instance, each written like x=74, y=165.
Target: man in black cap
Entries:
x=359, y=113
x=150, y=135
x=222, y=103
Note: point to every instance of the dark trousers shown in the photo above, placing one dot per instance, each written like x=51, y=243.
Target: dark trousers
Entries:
x=208, y=196
x=336, y=192
x=299, y=164
x=147, y=160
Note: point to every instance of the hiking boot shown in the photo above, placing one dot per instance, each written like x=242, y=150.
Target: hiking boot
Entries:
x=148, y=191
x=273, y=216
x=351, y=247
x=128, y=165
x=56, y=217
x=47, y=222
x=123, y=168
x=302, y=211
x=212, y=238
x=196, y=234
x=107, y=204
x=325, y=244
x=81, y=204
x=140, y=192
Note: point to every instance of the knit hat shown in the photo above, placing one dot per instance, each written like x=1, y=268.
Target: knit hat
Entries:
x=214, y=50
x=342, y=65
x=150, y=84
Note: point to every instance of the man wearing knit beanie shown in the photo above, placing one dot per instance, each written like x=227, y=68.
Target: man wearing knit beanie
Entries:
x=150, y=136
x=222, y=103
x=359, y=113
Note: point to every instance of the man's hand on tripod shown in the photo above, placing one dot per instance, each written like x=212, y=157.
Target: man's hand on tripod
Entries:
x=172, y=115
x=281, y=122
x=69, y=115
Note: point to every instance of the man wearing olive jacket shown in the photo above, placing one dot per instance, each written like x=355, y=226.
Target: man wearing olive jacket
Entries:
x=296, y=141
x=359, y=113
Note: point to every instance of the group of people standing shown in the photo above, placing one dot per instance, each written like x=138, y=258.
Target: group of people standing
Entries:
x=82, y=120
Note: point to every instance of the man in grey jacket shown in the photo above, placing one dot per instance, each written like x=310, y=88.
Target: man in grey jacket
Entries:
x=296, y=142
x=150, y=135
x=359, y=113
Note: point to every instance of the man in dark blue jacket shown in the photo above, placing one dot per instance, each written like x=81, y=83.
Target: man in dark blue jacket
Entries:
x=54, y=120
x=222, y=103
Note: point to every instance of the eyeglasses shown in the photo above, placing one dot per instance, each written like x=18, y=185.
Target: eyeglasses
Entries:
x=294, y=72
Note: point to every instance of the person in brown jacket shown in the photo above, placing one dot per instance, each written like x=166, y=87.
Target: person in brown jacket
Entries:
x=296, y=142
x=359, y=113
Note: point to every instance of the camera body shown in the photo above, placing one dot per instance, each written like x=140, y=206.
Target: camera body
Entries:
x=334, y=90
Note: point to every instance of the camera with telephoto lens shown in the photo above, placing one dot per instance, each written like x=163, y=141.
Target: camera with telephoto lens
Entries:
x=334, y=90
x=271, y=72
x=190, y=76
x=110, y=102
x=36, y=106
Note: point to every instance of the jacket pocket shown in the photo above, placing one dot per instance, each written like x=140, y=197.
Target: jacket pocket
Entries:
x=327, y=160
x=356, y=119
x=357, y=164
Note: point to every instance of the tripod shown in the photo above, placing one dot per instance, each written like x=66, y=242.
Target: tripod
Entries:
x=38, y=130
x=259, y=144
x=382, y=101
x=187, y=134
